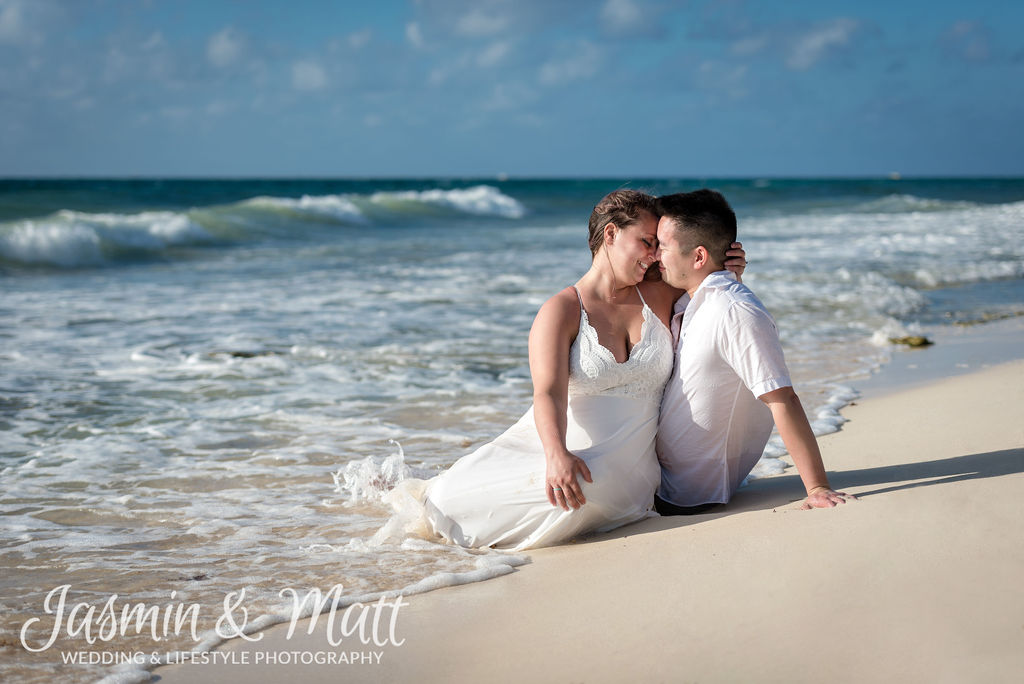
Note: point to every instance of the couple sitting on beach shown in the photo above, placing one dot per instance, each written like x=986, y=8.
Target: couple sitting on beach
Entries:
x=644, y=396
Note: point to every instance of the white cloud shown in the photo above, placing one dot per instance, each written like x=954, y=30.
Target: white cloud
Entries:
x=21, y=21
x=413, y=34
x=308, y=75
x=808, y=49
x=509, y=96
x=629, y=18
x=175, y=113
x=582, y=63
x=132, y=58
x=967, y=40
x=12, y=21
x=360, y=39
x=116, y=65
x=442, y=73
x=478, y=23
x=59, y=92
x=224, y=48
x=154, y=42
x=723, y=78
x=750, y=45
x=494, y=53
x=619, y=15
x=219, y=107
x=438, y=75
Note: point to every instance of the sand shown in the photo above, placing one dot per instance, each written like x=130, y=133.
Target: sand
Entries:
x=918, y=580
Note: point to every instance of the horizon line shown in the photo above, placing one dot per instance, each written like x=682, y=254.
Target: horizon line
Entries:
x=501, y=178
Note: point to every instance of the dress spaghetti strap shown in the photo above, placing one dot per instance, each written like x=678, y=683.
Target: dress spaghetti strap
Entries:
x=579, y=297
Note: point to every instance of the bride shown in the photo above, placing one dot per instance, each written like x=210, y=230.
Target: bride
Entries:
x=582, y=458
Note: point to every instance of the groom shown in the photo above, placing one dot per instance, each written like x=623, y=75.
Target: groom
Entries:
x=730, y=382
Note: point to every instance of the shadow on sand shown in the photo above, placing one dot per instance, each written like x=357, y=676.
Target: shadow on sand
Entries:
x=775, y=492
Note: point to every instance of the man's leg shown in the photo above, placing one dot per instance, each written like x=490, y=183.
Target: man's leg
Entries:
x=666, y=508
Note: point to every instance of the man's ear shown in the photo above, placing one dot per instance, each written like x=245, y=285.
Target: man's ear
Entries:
x=701, y=257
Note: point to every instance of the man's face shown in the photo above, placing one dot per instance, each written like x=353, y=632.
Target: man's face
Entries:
x=675, y=266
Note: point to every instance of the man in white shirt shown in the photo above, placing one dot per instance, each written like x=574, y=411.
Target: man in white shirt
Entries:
x=730, y=382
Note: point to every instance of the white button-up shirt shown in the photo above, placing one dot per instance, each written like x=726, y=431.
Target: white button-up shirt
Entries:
x=713, y=428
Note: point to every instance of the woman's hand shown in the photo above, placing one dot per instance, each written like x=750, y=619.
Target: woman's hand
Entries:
x=562, y=486
x=737, y=260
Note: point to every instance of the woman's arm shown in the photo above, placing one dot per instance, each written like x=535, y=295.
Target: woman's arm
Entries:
x=737, y=261
x=551, y=336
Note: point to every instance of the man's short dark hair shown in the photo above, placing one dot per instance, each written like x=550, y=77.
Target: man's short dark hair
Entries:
x=701, y=218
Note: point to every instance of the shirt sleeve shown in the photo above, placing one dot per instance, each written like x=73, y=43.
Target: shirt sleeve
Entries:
x=750, y=345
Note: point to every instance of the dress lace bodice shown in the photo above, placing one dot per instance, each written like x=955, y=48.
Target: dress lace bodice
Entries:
x=593, y=369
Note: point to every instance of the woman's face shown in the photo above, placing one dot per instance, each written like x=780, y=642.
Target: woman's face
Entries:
x=633, y=247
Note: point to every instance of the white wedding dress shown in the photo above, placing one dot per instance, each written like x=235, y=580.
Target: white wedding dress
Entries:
x=496, y=496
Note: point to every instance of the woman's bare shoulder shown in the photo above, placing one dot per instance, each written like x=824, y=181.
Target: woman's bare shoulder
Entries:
x=659, y=295
x=562, y=310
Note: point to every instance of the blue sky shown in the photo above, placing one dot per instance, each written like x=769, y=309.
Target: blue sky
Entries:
x=622, y=88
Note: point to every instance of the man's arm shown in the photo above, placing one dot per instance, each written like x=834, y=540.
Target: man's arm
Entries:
x=796, y=433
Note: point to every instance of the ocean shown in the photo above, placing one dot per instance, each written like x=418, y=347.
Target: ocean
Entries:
x=206, y=385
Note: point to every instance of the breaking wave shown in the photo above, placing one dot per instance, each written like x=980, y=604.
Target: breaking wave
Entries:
x=899, y=204
x=74, y=239
x=71, y=238
x=378, y=207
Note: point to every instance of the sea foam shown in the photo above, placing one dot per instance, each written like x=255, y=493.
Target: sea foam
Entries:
x=382, y=207
x=72, y=238
x=482, y=200
x=339, y=207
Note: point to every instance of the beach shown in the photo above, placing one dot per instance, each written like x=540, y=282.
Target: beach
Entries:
x=917, y=580
x=208, y=386
x=268, y=270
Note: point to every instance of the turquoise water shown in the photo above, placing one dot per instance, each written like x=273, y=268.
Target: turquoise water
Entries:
x=201, y=381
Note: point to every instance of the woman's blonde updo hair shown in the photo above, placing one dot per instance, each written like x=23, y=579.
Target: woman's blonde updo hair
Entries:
x=623, y=208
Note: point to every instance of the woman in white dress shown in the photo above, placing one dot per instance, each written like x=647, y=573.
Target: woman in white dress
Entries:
x=582, y=458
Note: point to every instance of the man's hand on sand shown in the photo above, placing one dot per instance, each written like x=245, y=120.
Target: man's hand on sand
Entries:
x=823, y=497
